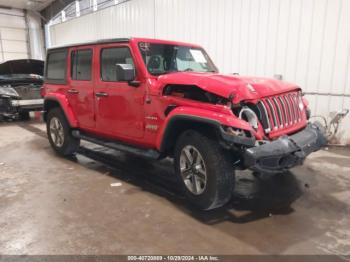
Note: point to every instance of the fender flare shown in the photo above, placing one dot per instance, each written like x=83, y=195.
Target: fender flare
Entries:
x=200, y=116
x=64, y=105
x=162, y=145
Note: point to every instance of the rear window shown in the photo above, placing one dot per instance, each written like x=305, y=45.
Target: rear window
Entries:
x=56, y=66
x=81, y=65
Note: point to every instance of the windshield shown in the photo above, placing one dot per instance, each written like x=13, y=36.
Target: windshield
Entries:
x=163, y=58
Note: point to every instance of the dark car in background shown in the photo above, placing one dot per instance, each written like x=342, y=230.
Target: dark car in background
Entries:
x=20, y=84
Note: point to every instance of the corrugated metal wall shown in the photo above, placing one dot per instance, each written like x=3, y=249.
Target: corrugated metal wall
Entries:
x=305, y=41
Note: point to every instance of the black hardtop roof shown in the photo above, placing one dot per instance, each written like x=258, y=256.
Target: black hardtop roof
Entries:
x=102, y=41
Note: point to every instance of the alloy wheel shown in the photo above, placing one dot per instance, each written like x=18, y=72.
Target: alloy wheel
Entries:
x=193, y=170
x=56, y=132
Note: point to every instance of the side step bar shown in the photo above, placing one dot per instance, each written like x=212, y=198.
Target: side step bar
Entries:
x=149, y=153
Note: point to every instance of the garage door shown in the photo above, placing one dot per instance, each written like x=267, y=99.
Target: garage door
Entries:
x=13, y=35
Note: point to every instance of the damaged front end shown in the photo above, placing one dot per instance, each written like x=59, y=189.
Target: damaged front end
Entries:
x=7, y=95
x=274, y=156
x=20, y=83
x=286, y=151
x=281, y=136
x=269, y=134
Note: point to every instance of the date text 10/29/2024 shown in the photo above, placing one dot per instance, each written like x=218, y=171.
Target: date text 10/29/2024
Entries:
x=173, y=258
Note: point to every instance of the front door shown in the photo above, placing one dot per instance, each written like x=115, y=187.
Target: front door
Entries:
x=119, y=106
x=80, y=80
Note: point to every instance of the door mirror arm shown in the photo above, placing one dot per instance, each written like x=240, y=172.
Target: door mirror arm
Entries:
x=134, y=83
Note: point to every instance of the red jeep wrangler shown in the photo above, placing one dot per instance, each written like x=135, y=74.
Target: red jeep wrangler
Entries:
x=161, y=99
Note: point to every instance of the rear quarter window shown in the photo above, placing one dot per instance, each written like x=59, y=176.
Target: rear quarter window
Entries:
x=56, y=67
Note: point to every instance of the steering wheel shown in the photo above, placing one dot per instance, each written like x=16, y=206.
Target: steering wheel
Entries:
x=188, y=70
x=153, y=63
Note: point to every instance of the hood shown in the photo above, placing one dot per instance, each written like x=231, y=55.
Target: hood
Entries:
x=240, y=87
x=22, y=66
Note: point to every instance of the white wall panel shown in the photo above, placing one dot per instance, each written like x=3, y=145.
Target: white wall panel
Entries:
x=15, y=46
x=306, y=41
x=13, y=35
x=9, y=21
x=21, y=35
x=14, y=56
x=133, y=18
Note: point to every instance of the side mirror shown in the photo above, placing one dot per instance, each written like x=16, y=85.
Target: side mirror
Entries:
x=125, y=72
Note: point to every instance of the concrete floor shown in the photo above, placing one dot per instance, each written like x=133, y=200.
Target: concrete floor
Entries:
x=52, y=205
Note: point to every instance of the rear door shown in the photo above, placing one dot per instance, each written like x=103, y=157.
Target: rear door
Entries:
x=80, y=80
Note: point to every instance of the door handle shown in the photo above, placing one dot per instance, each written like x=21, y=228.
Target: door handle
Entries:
x=73, y=91
x=101, y=94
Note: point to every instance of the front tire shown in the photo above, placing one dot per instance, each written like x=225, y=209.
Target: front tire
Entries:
x=205, y=170
x=59, y=133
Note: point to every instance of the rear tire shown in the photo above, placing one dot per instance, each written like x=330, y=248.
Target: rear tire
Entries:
x=59, y=133
x=208, y=180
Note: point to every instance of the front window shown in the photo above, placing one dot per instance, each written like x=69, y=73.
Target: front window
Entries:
x=164, y=58
x=110, y=57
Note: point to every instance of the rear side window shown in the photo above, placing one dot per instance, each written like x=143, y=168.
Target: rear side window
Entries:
x=56, y=66
x=112, y=56
x=81, y=64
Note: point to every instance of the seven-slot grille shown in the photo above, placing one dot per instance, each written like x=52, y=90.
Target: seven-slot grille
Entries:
x=281, y=111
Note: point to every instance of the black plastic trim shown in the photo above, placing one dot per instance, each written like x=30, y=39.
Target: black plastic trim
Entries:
x=169, y=109
x=120, y=146
x=55, y=100
x=177, y=118
x=103, y=41
x=229, y=140
x=285, y=152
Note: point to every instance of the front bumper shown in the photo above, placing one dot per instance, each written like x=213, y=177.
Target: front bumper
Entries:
x=285, y=152
x=30, y=103
x=10, y=107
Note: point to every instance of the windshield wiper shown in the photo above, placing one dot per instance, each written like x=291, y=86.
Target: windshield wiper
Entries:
x=165, y=72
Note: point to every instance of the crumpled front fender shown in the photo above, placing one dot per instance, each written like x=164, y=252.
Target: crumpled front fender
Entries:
x=197, y=115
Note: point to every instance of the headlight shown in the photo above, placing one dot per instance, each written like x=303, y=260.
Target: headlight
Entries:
x=8, y=91
x=249, y=115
